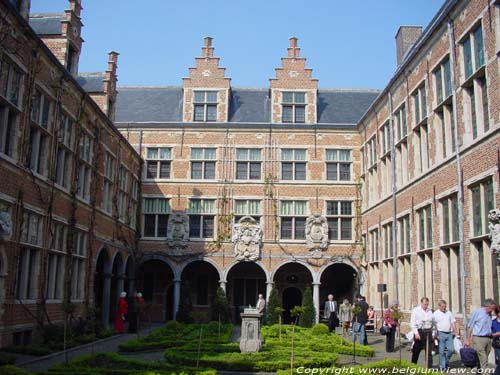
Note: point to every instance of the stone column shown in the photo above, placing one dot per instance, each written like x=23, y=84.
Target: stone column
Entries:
x=177, y=296
x=120, y=285
x=316, y=300
x=222, y=284
x=106, y=296
x=269, y=288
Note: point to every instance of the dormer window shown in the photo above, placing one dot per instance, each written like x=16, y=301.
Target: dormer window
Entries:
x=294, y=107
x=205, y=106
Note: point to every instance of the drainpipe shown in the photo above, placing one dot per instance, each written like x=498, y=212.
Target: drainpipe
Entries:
x=459, y=174
x=395, y=264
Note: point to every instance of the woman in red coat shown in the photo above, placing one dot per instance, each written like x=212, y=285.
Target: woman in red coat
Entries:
x=120, y=313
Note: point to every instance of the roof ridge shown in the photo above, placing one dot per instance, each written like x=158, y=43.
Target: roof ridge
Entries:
x=86, y=74
x=46, y=15
x=149, y=87
x=348, y=90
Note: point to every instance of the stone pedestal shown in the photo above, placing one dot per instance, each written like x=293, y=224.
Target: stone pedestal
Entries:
x=250, y=340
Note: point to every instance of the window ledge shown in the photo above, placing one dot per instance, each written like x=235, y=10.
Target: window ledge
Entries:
x=341, y=242
x=54, y=301
x=469, y=81
x=403, y=139
x=157, y=179
x=8, y=158
x=25, y=301
x=423, y=121
x=426, y=250
x=201, y=239
x=445, y=101
x=450, y=244
x=290, y=241
x=480, y=237
x=153, y=238
x=372, y=167
x=407, y=255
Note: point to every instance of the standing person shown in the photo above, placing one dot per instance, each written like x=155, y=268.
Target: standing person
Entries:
x=390, y=320
x=132, y=314
x=479, y=331
x=121, y=311
x=422, y=321
x=360, y=320
x=331, y=313
x=446, y=329
x=495, y=331
x=345, y=315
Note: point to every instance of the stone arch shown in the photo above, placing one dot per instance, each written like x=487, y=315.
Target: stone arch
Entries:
x=102, y=285
x=343, y=261
x=155, y=279
x=340, y=278
x=117, y=281
x=207, y=260
x=226, y=271
x=311, y=270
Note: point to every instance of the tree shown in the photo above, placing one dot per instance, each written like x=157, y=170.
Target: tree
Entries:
x=220, y=307
x=309, y=312
x=272, y=303
x=185, y=307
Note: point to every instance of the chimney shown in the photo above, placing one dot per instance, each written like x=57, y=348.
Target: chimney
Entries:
x=293, y=50
x=207, y=50
x=405, y=39
x=110, y=81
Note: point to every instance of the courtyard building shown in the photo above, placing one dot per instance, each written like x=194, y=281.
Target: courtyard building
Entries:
x=176, y=191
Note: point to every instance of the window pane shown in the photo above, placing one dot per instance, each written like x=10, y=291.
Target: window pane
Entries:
x=208, y=226
x=489, y=197
x=149, y=225
x=300, y=208
x=196, y=153
x=331, y=171
x=439, y=85
x=332, y=208
x=287, y=154
x=287, y=113
x=164, y=153
x=197, y=170
x=255, y=171
x=150, y=205
x=162, y=225
x=345, y=172
x=254, y=207
x=199, y=112
x=447, y=77
x=152, y=169
x=208, y=206
x=242, y=154
x=478, y=47
x=333, y=229
x=345, y=155
x=446, y=221
x=209, y=170
x=286, y=227
x=152, y=153
x=210, y=153
x=345, y=208
x=254, y=154
x=300, y=154
x=300, y=171
x=165, y=169
x=300, y=228
x=429, y=226
x=240, y=207
x=199, y=96
x=331, y=155
x=455, y=218
x=212, y=96
x=346, y=229
x=476, y=210
x=211, y=112
x=195, y=206
x=467, y=57
x=287, y=171
x=300, y=97
x=288, y=97
x=241, y=171
x=300, y=114
x=163, y=206
x=286, y=208
x=195, y=226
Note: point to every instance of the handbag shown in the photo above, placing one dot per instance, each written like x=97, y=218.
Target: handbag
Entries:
x=385, y=330
x=496, y=342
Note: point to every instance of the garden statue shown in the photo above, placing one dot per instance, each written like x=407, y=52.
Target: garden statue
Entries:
x=5, y=226
x=494, y=225
x=247, y=239
x=178, y=230
x=316, y=234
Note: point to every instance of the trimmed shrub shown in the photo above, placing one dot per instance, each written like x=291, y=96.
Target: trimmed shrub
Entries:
x=308, y=314
x=185, y=307
x=272, y=304
x=320, y=329
x=12, y=370
x=220, y=307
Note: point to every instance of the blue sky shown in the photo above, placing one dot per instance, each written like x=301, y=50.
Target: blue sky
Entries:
x=348, y=43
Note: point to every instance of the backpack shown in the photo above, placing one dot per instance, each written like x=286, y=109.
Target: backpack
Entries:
x=469, y=357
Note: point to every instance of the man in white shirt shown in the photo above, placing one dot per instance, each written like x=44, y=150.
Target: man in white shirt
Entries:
x=446, y=328
x=261, y=304
x=422, y=322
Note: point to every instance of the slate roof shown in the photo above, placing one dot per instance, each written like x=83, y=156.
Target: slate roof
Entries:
x=47, y=23
x=164, y=104
x=91, y=82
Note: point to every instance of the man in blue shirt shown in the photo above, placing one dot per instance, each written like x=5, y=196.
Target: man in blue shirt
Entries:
x=479, y=331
